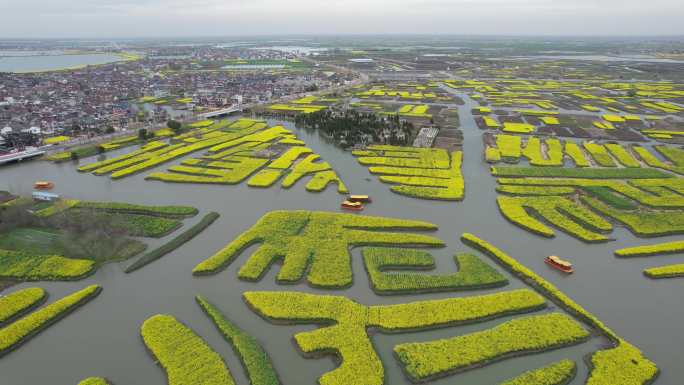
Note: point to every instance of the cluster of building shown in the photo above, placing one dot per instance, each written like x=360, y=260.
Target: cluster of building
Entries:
x=166, y=83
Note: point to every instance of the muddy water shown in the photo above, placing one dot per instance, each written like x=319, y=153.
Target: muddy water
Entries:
x=103, y=338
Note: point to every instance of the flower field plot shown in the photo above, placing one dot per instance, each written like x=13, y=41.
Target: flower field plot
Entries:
x=346, y=329
x=586, y=202
x=16, y=333
x=69, y=240
x=579, y=109
x=244, y=150
x=611, y=184
x=188, y=359
x=313, y=244
x=383, y=264
x=185, y=144
x=667, y=271
x=416, y=172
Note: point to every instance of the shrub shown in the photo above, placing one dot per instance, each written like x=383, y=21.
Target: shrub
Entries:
x=174, y=243
x=424, y=360
x=25, y=328
x=670, y=271
x=346, y=321
x=472, y=272
x=185, y=357
x=254, y=358
x=316, y=239
x=27, y=267
x=17, y=303
x=559, y=373
x=650, y=250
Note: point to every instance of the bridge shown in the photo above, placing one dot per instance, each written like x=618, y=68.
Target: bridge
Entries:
x=225, y=111
x=19, y=156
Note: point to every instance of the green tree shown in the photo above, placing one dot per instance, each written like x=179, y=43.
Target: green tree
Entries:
x=174, y=125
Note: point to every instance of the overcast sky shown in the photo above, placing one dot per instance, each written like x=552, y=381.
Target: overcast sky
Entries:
x=155, y=18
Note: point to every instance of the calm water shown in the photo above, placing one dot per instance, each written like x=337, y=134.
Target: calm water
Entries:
x=103, y=338
x=53, y=62
x=605, y=58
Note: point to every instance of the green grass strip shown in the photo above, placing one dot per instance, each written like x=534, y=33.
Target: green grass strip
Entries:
x=19, y=302
x=587, y=173
x=472, y=273
x=254, y=358
x=13, y=335
x=185, y=357
x=608, y=196
x=174, y=243
x=128, y=208
x=535, y=190
x=559, y=373
x=427, y=360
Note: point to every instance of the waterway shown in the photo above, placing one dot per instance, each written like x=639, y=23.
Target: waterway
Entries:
x=41, y=63
x=103, y=339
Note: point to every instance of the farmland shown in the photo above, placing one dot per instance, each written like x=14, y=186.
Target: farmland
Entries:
x=223, y=256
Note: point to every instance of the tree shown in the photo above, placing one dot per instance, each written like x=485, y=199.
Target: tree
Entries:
x=142, y=134
x=174, y=125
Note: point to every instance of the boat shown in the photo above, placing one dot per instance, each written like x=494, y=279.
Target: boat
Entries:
x=44, y=196
x=355, y=206
x=359, y=198
x=559, y=264
x=43, y=185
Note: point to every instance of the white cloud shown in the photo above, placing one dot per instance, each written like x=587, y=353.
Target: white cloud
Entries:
x=111, y=18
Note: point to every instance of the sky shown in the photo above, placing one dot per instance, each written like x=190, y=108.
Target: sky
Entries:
x=180, y=18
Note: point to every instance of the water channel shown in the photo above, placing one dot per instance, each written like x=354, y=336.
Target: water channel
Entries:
x=102, y=338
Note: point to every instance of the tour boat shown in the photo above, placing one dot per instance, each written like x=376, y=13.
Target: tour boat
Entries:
x=356, y=206
x=359, y=198
x=43, y=185
x=559, y=264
